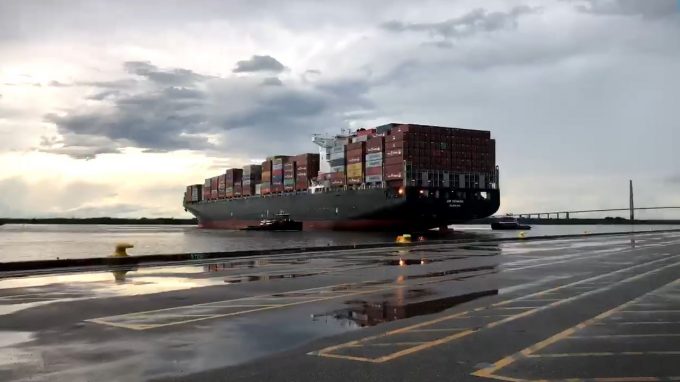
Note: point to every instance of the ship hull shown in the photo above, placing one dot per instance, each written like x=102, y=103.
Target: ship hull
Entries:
x=353, y=210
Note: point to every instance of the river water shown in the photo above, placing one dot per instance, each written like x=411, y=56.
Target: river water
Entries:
x=20, y=242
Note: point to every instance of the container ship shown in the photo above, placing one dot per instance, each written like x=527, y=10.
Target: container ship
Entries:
x=395, y=177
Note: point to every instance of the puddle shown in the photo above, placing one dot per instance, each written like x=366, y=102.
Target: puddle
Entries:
x=265, y=277
x=9, y=355
x=369, y=313
x=405, y=262
x=454, y=271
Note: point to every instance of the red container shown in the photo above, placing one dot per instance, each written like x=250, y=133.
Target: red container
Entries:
x=277, y=188
x=355, y=180
x=393, y=172
x=213, y=185
x=394, y=160
x=301, y=185
x=238, y=190
x=374, y=170
x=249, y=190
x=307, y=168
x=267, y=166
x=355, y=159
x=233, y=176
x=362, y=132
x=394, y=153
x=213, y=194
x=338, y=178
x=356, y=146
x=375, y=145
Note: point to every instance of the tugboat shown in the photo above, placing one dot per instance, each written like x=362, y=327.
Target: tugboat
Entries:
x=509, y=223
x=281, y=222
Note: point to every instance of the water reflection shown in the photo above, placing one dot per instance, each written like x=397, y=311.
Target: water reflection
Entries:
x=365, y=313
x=119, y=273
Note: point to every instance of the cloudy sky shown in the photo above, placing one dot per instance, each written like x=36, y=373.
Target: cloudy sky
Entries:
x=111, y=107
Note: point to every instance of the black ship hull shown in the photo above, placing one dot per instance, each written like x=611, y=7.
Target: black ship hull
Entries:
x=362, y=209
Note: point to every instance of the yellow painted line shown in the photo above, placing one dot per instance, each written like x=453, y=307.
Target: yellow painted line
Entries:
x=491, y=370
x=628, y=379
x=644, y=323
x=329, y=350
x=650, y=311
x=601, y=354
x=627, y=336
x=438, y=330
x=636, y=379
x=242, y=305
x=349, y=357
x=396, y=343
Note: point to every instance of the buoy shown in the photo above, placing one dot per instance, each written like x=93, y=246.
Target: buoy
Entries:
x=522, y=235
x=121, y=250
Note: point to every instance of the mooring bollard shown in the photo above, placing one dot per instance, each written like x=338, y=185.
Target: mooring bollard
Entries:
x=121, y=250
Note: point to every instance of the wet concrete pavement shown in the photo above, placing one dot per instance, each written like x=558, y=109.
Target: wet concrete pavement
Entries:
x=599, y=307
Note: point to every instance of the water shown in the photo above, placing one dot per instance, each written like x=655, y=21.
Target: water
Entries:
x=39, y=242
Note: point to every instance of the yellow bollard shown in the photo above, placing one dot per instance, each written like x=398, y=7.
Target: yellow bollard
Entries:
x=522, y=235
x=121, y=249
x=403, y=239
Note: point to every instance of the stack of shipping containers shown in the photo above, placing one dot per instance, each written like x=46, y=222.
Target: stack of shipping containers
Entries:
x=213, y=187
x=221, y=186
x=374, y=160
x=289, y=176
x=206, y=189
x=338, y=165
x=266, y=185
x=429, y=156
x=356, y=153
x=306, y=169
x=393, y=155
x=233, y=182
x=277, y=173
x=252, y=175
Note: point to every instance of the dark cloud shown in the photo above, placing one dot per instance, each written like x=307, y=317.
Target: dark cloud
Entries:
x=259, y=64
x=473, y=22
x=117, y=84
x=171, y=77
x=200, y=115
x=649, y=8
x=272, y=81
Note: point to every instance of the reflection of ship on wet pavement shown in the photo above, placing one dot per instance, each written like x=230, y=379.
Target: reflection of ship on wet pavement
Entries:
x=366, y=313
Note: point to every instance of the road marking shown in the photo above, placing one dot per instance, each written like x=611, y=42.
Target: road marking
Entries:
x=650, y=311
x=328, y=351
x=438, y=330
x=489, y=372
x=360, y=289
x=663, y=335
x=600, y=354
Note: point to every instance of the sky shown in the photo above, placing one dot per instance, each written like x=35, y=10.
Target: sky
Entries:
x=109, y=108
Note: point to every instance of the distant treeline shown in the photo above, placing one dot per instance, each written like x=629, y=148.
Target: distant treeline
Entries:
x=101, y=220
